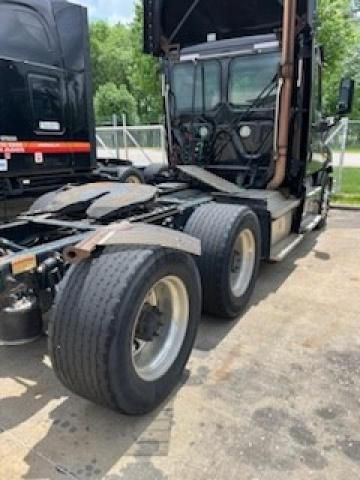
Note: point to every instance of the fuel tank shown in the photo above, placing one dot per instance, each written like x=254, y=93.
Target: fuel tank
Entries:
x=20, y=321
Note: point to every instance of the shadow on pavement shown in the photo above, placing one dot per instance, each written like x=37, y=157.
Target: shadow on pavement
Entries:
x=78, y=439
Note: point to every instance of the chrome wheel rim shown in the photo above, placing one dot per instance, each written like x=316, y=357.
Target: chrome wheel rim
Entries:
x=152, y=359
x=242, y=263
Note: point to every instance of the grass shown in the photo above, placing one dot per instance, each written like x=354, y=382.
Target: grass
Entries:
x=353, y=149
x=350, y=191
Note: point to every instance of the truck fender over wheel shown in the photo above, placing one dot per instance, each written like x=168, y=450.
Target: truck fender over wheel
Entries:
x=44, y=201
x=231, y=254
x=124, y=325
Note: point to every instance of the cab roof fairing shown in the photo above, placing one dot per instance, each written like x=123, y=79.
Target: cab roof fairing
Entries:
x=46, y=8
x=52, y=14
x=190, y=22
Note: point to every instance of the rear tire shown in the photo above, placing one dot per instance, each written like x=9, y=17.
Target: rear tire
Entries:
x=93, y=335
x=231, y=253
x=130, y=175
x=155, y=173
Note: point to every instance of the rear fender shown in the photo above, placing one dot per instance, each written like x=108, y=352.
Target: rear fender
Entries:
x=128, y=234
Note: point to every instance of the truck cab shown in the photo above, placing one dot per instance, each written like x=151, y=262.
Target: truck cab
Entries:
x=242, y=89
x=222, y=101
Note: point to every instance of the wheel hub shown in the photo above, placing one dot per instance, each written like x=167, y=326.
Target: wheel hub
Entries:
x=237, y=262
x=161, y=327
x=243, y=262
x=150, y=323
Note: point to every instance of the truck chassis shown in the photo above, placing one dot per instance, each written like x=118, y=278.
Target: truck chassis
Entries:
x=127, y=269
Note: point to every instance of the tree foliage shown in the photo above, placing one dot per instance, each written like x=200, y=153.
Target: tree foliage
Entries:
x=111, y=99
x=340, y=36
x=121, y=70
x=145, y=74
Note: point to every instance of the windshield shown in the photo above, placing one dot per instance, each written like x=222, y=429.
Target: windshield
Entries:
x=250, y=76
x=205, y=95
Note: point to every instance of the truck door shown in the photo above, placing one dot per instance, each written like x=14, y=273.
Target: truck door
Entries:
x=318, y=152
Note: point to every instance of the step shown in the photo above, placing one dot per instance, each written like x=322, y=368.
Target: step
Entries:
x=208, y=178
x=280, y=207
x=310, y=222
x=277, y=204
x=314, y=192
x=282, y=249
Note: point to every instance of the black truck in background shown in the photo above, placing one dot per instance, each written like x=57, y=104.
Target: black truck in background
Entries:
x=47, y=127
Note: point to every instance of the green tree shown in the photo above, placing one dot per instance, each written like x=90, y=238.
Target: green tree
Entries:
x=111, y=99
x=145, y=74
x=339, y=34
x=117, y=59
x=352, y=69
x=99, y=32
x=111, y=54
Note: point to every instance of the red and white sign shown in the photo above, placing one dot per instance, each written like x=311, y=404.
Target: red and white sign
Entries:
x=44, y=147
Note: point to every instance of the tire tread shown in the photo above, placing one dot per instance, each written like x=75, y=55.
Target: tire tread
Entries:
x=214, y=224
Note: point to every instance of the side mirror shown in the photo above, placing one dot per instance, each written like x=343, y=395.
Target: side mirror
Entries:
x=346, y=97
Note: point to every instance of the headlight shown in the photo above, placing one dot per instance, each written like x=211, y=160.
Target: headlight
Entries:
x=204, y=132
x=245, y=131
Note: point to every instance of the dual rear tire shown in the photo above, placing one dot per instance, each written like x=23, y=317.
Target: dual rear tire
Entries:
x=231, y=252
x=125, y=322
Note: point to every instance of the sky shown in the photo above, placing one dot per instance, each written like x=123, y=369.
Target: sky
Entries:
x=112, y=10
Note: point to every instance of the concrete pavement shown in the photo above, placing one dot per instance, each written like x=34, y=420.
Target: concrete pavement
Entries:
x=351, y=159
x=273, y=396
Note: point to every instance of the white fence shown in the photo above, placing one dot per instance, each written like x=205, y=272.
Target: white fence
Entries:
x=337, y=141
x=142, y=145
x=344, y=141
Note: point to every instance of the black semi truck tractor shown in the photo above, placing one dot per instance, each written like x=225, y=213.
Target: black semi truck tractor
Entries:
x=126, y=270
x=47, y=128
